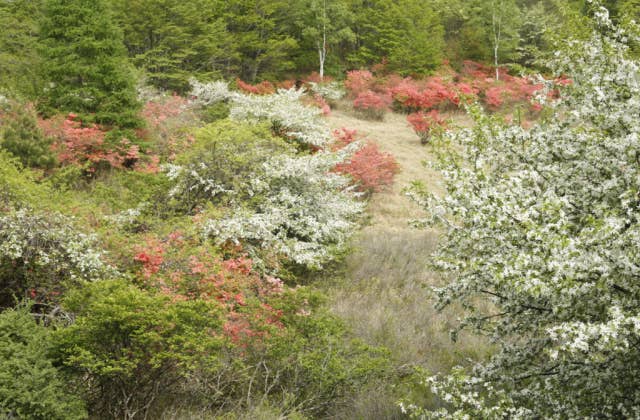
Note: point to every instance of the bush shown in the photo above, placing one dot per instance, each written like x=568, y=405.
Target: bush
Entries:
x=22, y=137
x=18, y=186
x=371, y=105
x=89, y=146
x=129, y=348
x=221, y=164
x=301, y=212
x=41, y=255
x=426, y=123
x=30, y=386
x=370, y=168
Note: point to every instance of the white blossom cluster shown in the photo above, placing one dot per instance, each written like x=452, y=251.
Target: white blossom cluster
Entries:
x=545, y=223
x=284, y=110
x=332, y=91
x=306, y=211
x=210, y=93
x=49, y=245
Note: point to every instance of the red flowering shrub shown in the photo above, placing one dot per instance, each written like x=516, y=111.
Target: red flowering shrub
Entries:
x=168, y=120
x=372, y=105
x=319, y=102
x=358, y=82
x=343, y=137
x=177, y=267
x=370, y=168
x=445, y=90
x=424, y=123
x=76, y=144
x=262, y=88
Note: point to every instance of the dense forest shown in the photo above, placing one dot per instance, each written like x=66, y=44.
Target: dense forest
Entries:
x=309, y=209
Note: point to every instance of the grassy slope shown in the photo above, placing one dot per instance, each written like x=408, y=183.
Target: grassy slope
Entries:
x=385, y=294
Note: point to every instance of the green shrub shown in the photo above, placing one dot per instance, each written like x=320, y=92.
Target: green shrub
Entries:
x=129, y=348
x=21, y=136
x=30, y=386
x=226, y=156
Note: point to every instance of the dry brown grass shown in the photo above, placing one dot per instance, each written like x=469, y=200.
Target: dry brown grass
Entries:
x=385, y=296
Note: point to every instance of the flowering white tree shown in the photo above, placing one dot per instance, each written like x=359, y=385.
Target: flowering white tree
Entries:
x=545, y=224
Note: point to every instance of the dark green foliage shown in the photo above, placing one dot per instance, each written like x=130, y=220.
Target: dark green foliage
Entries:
x=262, y=37
x=176, y=40
x=407, y=34
x=30, y=386
x=19, y=59
x=21, y=136
x=85, y=64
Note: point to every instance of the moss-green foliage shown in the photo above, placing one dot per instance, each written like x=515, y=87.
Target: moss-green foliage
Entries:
x=21, y=136
x=85, y=62
x=317, y=363
x=30, y=386
x=18, y=186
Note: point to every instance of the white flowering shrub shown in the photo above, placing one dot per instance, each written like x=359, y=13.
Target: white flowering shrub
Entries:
x=306, y=212
x=272, y=201
x=41, y=255
x=289, y=117
x=210, y=93
x=220, y=166
x=332, y=91
x=545, y=224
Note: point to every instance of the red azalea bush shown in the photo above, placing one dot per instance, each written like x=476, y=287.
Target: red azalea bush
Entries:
x=358, y=82
x=446, y=90
x=343, y=137
x=372, y=105
x=370, y=168
x=424, y=123
x=177, y=267
x=262, y=88
x=85, y=146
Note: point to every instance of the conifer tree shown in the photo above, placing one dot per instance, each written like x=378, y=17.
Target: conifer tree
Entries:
x=85, y=63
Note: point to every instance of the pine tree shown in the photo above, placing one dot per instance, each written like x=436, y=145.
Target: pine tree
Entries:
x=85, y=63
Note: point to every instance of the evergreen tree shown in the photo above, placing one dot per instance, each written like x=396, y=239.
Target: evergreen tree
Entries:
x=262, y=36
x=85, y=63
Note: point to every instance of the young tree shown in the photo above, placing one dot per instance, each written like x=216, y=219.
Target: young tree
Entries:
x=324, y=24
x=30, y=385
x=545, y=224
x=85, y=63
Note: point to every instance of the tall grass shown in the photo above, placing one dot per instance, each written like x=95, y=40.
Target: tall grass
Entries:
x=385, y=293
